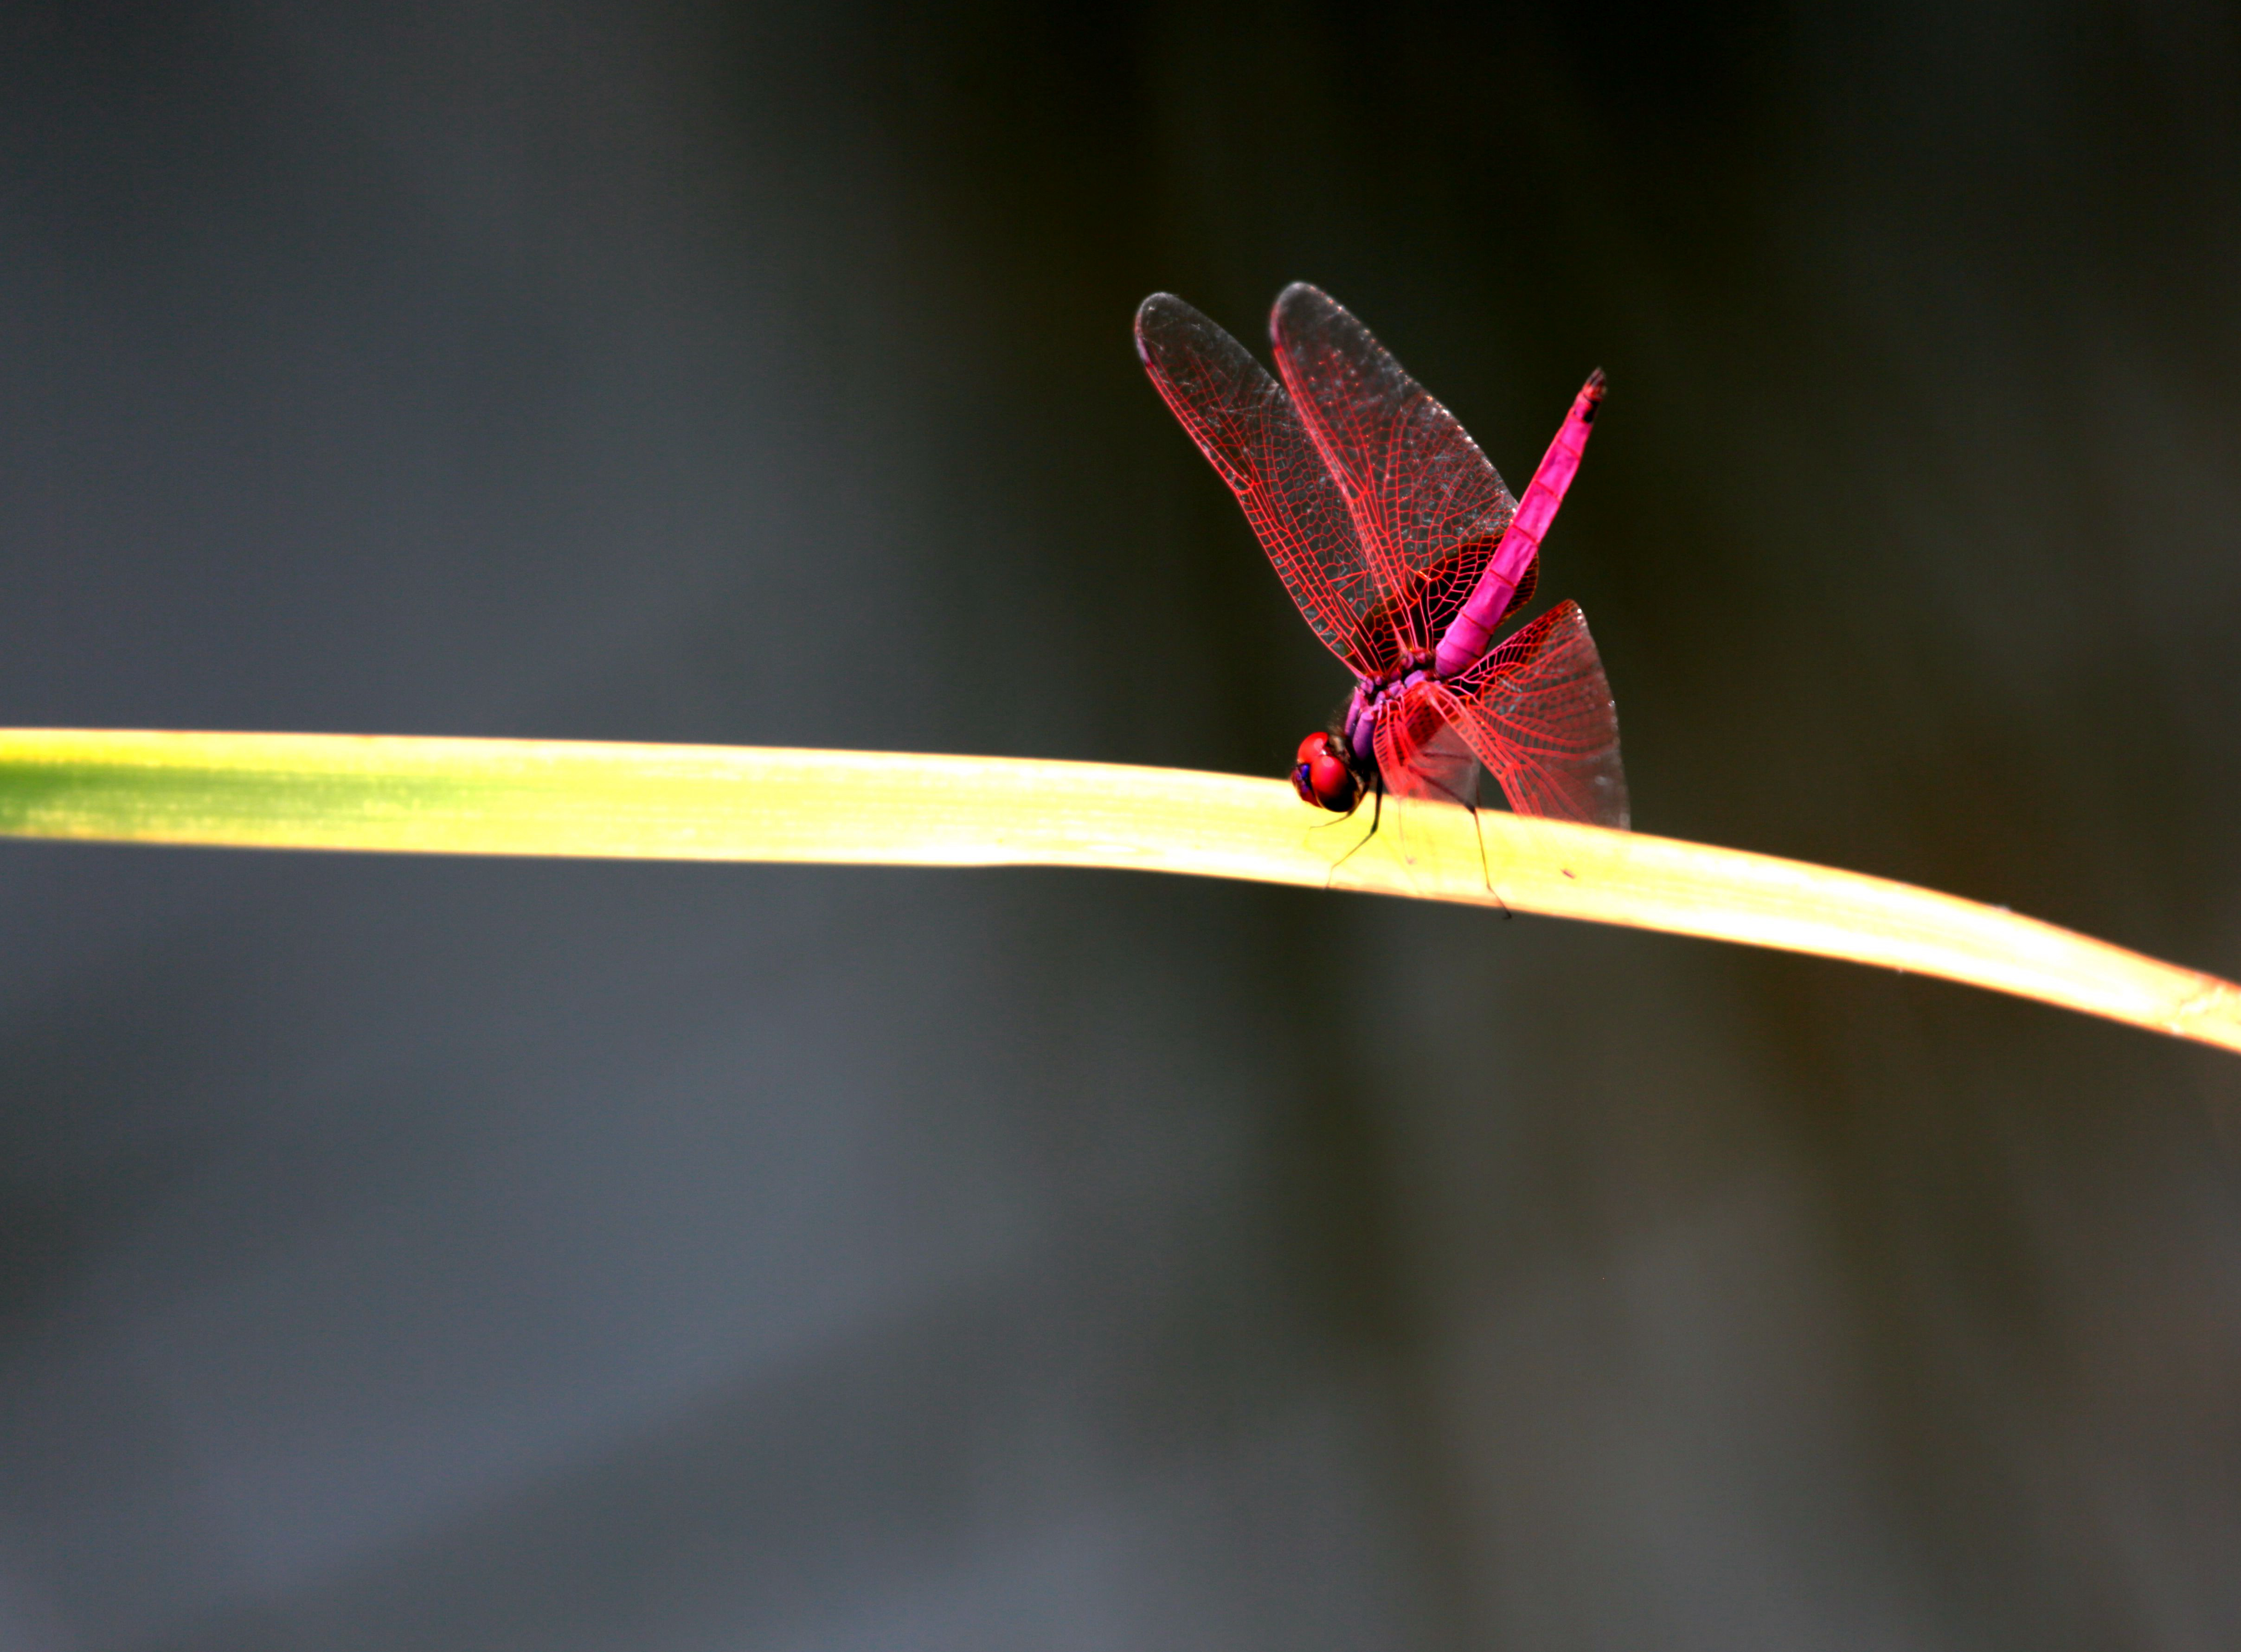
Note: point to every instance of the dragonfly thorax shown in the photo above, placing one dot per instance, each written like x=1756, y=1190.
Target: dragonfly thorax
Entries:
x=1333, y=769
x=1370, y=697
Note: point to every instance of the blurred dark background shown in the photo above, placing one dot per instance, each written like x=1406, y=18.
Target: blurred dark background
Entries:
x=421, y=1254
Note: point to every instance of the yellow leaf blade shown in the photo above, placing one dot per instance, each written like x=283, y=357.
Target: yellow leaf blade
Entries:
x=404, y=794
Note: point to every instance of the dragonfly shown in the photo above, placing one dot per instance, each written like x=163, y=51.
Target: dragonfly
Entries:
x=1406, y=555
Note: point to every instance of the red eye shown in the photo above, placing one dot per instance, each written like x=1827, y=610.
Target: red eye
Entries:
x=1332, y=782
x=1314, y=746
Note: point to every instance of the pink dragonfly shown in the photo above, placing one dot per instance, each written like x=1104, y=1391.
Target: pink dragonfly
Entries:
x=1405, y=553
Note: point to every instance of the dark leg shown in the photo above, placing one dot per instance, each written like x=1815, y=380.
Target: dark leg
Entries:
x=1485, y=871
x=1376, y=814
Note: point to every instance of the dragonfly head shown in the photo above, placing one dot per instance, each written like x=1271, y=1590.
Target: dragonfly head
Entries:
x=1322, y=776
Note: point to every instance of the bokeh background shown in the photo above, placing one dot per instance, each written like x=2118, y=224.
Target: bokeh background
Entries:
x=402, y=1254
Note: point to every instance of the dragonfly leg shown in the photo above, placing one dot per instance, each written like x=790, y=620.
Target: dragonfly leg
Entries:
x=1376, y=814
x=1485, y=871
x=1471, y=802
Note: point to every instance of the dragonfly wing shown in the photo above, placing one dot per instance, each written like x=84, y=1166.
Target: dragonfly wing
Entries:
x=1538, y=712
x=1420, y=754
x=1427, y=505
x=1247, y=427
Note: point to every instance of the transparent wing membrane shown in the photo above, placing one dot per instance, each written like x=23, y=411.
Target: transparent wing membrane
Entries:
x=1421, y=754
x=1421, y=496
x=1538, y=712
x=1248, y=428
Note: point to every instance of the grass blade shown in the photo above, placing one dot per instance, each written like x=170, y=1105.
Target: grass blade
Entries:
x=398, y=793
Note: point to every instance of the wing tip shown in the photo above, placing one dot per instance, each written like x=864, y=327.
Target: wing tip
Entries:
x=1153, y=306
x=1297, y=296
x=1163, y=318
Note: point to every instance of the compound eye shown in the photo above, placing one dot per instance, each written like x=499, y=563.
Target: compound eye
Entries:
x=1316, y=744
x=1332, y=782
